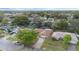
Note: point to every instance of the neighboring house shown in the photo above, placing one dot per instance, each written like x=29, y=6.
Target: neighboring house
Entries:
x=9, y=17
x=70, y=16
x=30, y=18
x=57, y=35
x=18, y=14
x=4, y=28
x=60, y=35
x=49, y=20
x=34, y=15
x=43, y=18
x=7, y=14
x=15, y=30
x=12, y=14
x=34, y=18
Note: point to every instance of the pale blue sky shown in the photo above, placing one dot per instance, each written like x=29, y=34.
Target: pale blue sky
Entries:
x=37, y=9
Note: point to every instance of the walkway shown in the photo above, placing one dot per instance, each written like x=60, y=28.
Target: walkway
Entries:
x=74, y=39
x=73, y=42
x=39, y=43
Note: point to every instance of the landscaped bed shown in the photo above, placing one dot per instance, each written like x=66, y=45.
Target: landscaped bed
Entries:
x=52, y=45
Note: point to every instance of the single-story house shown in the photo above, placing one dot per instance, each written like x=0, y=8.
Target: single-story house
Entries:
x=44, y=32
x=58, y=35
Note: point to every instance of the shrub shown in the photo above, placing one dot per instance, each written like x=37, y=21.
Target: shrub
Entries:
x=77, y=31
x=26, y=36
x=66, y=40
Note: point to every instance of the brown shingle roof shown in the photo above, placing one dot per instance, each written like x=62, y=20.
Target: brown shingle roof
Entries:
x=39, y=30
x=44, y=32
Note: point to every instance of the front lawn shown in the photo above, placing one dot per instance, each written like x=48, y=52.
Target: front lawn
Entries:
x=77, y=47
x=2, y=33
x=52, y=45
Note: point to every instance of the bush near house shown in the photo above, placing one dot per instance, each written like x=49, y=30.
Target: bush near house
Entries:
x=26, y=36
x=77, y=31
x=66, y=40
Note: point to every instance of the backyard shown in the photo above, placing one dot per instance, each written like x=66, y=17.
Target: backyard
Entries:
x=52, y=45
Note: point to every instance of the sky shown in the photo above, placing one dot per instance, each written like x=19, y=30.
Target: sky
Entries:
x=37, y=9
x=39, y=3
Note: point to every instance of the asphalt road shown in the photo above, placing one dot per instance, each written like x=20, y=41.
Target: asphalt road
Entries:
x=8, y=45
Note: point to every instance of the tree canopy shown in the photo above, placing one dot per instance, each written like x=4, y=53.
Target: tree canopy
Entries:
x=20, y=21
x=26, y=36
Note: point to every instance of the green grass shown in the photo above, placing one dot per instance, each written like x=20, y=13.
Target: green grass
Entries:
x=77, y=47
x=52, y=45
x=11, y=38
x=2, y=34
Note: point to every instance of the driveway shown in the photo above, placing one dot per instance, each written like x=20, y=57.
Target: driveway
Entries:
x=72, y=47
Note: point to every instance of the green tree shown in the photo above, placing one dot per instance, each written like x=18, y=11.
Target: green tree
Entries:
x=61, y=25
x=47, y=24
x=20, y=21
x=76, y=16
x=74, y=25
x=26, y=36
x=36, y=23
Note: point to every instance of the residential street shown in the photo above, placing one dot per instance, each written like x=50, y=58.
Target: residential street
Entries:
x=8, y=45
